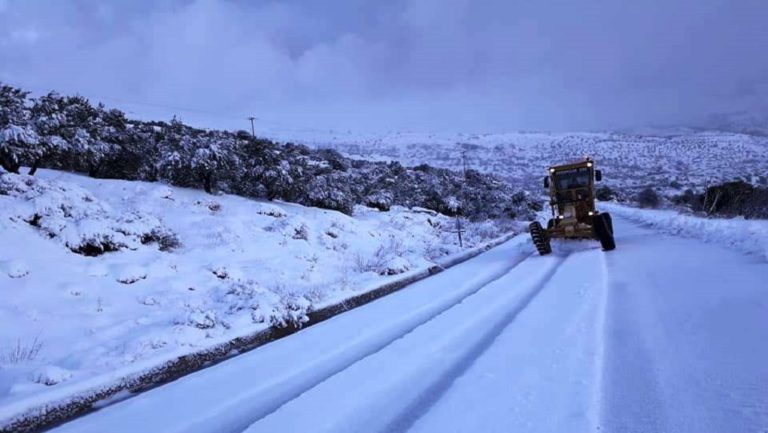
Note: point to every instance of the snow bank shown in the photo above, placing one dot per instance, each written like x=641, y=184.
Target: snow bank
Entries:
x=747, y=236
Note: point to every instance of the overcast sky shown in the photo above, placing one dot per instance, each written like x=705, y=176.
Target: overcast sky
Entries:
x=459, y=65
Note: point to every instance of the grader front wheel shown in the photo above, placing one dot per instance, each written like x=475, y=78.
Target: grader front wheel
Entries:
x=540, y=238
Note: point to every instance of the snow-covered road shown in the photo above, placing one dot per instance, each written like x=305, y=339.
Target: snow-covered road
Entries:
x=663, y=334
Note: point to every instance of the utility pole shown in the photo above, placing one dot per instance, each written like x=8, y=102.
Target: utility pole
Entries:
x=253, y=130
x=461, y=195
x=464, y=161
x=458, y=230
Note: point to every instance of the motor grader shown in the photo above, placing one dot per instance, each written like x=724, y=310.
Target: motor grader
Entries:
x=572, y=199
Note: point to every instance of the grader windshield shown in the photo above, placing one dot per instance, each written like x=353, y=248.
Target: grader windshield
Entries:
x=572, y=184
x=573, y=178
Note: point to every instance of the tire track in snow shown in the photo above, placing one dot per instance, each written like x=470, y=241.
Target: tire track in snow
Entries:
x=432, y=339
x=434, y=392
x=539, y=373
x=341, y=367
x=600, y=339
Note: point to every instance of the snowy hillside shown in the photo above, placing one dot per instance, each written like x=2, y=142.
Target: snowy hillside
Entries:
x=96, y=275
x=688, y=158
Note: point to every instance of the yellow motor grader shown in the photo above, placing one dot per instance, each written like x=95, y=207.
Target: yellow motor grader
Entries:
x=572, y=199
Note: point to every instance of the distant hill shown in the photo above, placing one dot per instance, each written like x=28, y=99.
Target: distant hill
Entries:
x=677, y=157
x=739, y=121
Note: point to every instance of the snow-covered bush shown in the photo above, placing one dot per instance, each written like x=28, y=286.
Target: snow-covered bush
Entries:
x=272, y=211
x=18, y=139
x=15, y=268
x=131, y=274
x=648, y=198
x=76, y=219
x=301, y=232
x=736, y=198
x=50, y=375
x=490, y=229
x=201, y=319
x=276, y=306
x=604, y=193
x=381, y=200
x=332, y=192
x=386, y=259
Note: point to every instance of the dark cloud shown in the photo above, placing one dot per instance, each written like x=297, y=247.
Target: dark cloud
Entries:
x=415, y=64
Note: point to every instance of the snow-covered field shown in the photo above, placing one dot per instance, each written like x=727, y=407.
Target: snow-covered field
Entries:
x=99, y=275
x=682, y=158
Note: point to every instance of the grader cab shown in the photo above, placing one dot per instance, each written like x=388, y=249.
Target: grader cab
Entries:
x=572, y=200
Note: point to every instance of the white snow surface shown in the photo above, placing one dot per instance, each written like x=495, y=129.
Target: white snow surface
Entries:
x=748, y=236
x=663, y=334
x=189, y=270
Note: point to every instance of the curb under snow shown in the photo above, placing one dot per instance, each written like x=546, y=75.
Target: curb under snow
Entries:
x=66, y=403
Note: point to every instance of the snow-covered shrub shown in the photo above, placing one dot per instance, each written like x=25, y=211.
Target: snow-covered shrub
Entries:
x=604, y=193
x=381, y=200
x=276, y=307
x=15, y=268
x=167, y=240
x=436, y=249
x=211, y=205
x=272, y=211
x=18, y=140
x=489, y=229
x=149, y=301
x=648, y=198
x=331, y=192
x=386, y=259
x=75, y=218
x=201, y=319
x=736, y=198
x=131, y=274
x=395, y=265
x=50, y=375
x=689, y=199
x=293, y=307
x=301, y=232
x=220, y=272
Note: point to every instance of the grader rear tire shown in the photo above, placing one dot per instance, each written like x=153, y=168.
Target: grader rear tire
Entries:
x=602, y=225
x=540, y=238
